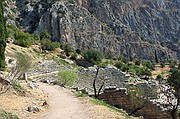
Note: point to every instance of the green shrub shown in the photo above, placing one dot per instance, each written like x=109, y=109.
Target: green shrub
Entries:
x=73, y=56
x=159, y=77
x=125, y=60
x=45, y=44
x=35, y=37
x=44, y=35
x=104, y=64
x=145, y=73
x=120, y=58
x=149, y=65
x=55, y=45
x=66, y=77
x=7, y=115
x=137, y=62
x=93, y=56
x=119, y=65
x=67, y=49
x=125, y=68
x=23, y=42
x=18, y=88
x=2, y=38
x=78, y=51
x=23, y=39
x=109, y=55
x=162, y=64
x=10, y=33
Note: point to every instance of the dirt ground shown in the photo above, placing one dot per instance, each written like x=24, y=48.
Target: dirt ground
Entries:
x=63, y=104
x=18, y=104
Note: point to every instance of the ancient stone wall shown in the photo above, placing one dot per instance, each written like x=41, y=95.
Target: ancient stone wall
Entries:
x=120, y=99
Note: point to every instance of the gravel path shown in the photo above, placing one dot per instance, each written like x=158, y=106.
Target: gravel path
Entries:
x=62, y=104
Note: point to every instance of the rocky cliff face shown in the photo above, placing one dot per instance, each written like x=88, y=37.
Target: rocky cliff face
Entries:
x=144, y=29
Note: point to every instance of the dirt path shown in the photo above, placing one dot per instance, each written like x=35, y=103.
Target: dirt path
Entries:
x=62, y=104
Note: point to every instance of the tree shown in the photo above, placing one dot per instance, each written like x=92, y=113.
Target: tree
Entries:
x=119, y=65
x=159, y=77
x=102, y=79
x=2, y=38
x=174, y=82
x=73, y=56
x=23, y=62
x=78, y=51
x=137, y=62
x=150, y=65
x=93, y=56
x=67, y=49
x=162, y=64
x=146, y=73
x=44, y=34
x=66, y=77
x=45, y=44
x=137, y=98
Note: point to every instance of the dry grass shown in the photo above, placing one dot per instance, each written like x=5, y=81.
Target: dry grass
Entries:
x=16, y=104
x=158, y=70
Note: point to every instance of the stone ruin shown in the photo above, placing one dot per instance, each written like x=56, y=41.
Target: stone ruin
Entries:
x=119, y=98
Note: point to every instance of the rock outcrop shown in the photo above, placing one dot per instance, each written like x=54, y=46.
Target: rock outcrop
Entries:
x=135, y=28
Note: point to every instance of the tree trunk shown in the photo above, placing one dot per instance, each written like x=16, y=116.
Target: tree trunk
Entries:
x=94, y=83
x=136, y=110
x=173, y=114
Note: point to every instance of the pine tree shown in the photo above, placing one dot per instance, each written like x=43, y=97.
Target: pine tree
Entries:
x=2, y=37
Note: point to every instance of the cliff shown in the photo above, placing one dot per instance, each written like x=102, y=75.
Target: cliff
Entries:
x=144, y=29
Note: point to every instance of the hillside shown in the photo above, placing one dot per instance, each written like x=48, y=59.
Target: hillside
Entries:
x=136, y=29
x=63, y=55
x=61, y=102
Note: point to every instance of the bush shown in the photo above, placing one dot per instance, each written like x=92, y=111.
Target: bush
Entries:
x=119, y=65
x=78, y=51
x=146, y=73
x=54, y=45
x=23, y=39
x=73, y=56
x=45, y=35
x=104, y=64
x=23, y=42
x=137, y=62
x=125, y=60
x=93, y=56
x=67, y=49
x=125, y=68
x=35, y=36
x=45, y=44
x=18, y=88
x=7, y=115
x=159, y=77
x=109, y=55
x=10, y=33
x=149, y=65
x=162, y=64
x=120, y=58
x=66, y=77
